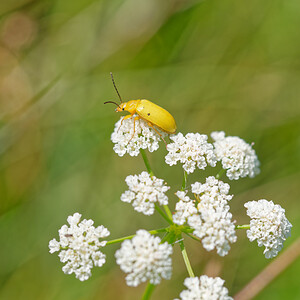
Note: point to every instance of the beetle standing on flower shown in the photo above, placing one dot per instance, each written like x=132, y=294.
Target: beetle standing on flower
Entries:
x=153, y=114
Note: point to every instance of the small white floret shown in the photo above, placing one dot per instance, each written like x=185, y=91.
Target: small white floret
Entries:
x=185, y=208
x=79, y=245
x=236, y=156
x=268, y=225
x=215, y=228
x=128, y=141
x=145, y=258
x=211, y=194
x=144, y=191
x=208, y=214
x=204, y=288
x=192, y=151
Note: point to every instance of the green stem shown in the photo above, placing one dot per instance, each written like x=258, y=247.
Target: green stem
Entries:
x=184, y=181
x=187, y=229
x=166, y=238
x=148, y=291
x=186, y=259
x=168, y=212
x=193, y=237
x=219, y=175
x=146, y=161
x=147, y=164
x=133, y=235
x=163, y=214
x=242, y=226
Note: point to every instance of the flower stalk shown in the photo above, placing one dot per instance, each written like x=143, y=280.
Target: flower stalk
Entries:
x=163, y=214
x=146, y=161
x=247, y=226
x=186, y=259
x=220, y=174
x=168, y=212
x=129, y=237
x=184, y=180
x=148, y=291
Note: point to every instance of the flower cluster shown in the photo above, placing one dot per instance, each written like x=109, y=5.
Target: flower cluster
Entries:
x=185, y=207
x=237, y=157
x=215, y=228
x=204, y=288
x=192, y=151
x=213, y=224
x=130, y=138
x=145, y=258
x=268, y=225
x=211, y=194
x=210, y=218
x=79, y=245
x=144, y=191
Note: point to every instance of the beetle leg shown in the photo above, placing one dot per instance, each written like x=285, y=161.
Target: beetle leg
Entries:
x=136, y=118
x=125, y=118
x=151, y=125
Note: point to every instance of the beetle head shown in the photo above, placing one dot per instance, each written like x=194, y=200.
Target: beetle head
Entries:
x=121, y=107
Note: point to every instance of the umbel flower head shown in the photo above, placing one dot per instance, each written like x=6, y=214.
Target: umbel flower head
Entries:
x=204, y=288
x=79, y=245
x=145, y=258
x=213, y=224
x=185, y=207
x=208, y=215
x=211, y=194
x=215, y=228
x=128, y=141
x=144, y=191
x=268, y=225
x=192, y=150
x=237, y=157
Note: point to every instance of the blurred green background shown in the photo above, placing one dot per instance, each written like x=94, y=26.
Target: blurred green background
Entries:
x=215, y=65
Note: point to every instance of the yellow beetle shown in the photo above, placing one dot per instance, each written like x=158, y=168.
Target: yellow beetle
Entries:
x=153, y=114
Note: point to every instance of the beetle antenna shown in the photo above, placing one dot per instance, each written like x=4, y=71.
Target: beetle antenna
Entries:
x=112, y=78
x=112, y=102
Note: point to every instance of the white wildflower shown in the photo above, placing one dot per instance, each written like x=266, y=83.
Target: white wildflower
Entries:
x=195, y=222
x=215, y=228
x=184, y=208
x=204, y=288
x=212, y=223
x=126, y=141
x=144, y=191
x=212, y=194
x=237, y=157
x=192, y=150
x=210, y=219
x=145, y=258
x=268, y=225
x=79, y=246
